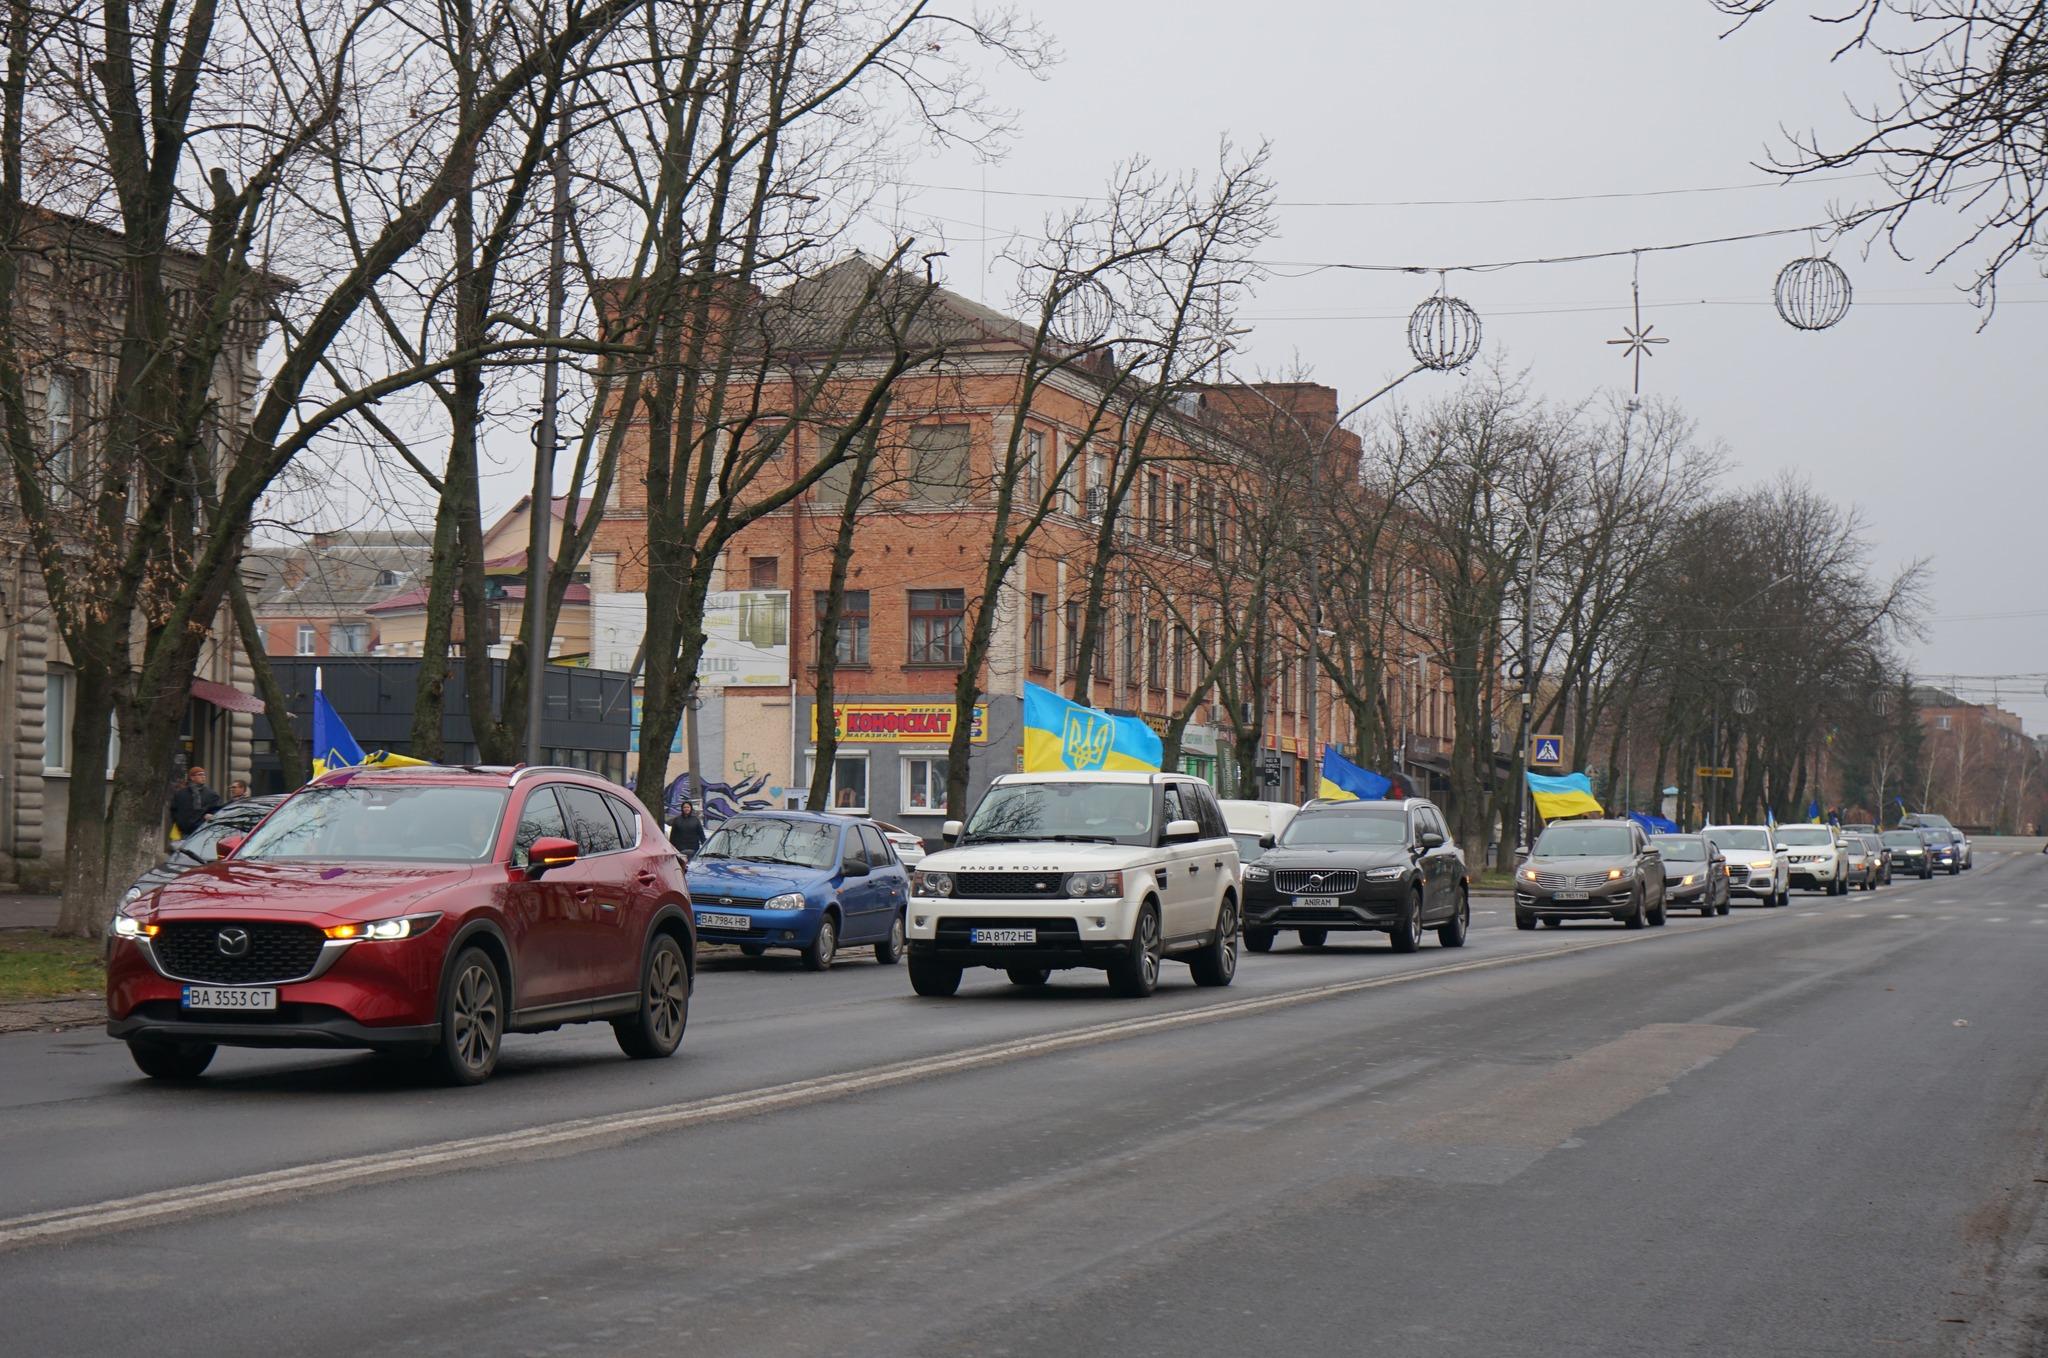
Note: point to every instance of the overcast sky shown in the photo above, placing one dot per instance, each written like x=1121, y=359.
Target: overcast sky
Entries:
x=1931, y=429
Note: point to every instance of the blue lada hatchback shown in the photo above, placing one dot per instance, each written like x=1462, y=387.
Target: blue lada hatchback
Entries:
x=802, y=880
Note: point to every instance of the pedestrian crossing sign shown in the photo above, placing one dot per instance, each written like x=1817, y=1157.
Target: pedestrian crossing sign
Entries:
x=1547, y=752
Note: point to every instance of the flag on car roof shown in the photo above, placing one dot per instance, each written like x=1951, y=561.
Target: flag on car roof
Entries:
x=335, y=748
x=1563, y=795
x=1061, y=734
x=1346, y=781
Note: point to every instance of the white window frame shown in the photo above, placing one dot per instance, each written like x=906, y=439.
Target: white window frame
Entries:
x=308, y=639
x=61, y=446
x=904, y=782
x=832, y=785
x=351, y=632
x=57, y=733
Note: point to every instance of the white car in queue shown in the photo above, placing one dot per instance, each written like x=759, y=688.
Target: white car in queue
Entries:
x=1114, y=871
x=1757, y=865
x=1255, y=825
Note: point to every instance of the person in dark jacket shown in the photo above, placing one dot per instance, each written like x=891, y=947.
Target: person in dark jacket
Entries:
x=686, y=831
x=193, y=802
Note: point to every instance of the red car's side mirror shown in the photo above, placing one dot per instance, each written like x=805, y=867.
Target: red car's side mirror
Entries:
x=227, y=846
x=549, y=851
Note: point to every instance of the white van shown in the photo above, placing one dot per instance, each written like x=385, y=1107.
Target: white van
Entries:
x=1249, y=822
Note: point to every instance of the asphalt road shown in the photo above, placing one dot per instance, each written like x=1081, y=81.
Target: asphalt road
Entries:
x=1817, y=1130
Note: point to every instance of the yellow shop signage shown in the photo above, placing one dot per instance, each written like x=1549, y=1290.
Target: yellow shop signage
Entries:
x=900, y=723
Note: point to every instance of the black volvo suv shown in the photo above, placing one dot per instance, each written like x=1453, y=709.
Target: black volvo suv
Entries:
x=1384, y=866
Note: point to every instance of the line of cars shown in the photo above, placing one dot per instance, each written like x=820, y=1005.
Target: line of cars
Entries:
x=427, y=912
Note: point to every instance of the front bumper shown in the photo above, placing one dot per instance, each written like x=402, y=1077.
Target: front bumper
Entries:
x=1372, y=905
x=1614, y=902
x=768, y=928
x=1080, y=932
x=376, y=987
x=292, y=1024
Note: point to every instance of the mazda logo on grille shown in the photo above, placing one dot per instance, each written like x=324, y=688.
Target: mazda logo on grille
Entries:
x=232, y=942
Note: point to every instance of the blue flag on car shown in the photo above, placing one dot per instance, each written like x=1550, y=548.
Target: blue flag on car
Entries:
x=333, y=746
x=1343, y=780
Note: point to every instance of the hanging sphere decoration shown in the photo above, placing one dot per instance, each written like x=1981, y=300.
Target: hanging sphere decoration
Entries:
x=1085, y=314
x=1813, y=293
x=1443, y=334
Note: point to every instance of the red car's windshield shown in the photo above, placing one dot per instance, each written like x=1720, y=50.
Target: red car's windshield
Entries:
x=383, y=823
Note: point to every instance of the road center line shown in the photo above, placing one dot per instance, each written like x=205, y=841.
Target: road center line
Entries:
x=246, y=1190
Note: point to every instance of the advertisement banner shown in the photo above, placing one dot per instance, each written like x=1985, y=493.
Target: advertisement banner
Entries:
x=900, y=723
x=746, y=636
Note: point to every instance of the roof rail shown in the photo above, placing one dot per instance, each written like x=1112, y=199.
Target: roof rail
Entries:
x=524, y=769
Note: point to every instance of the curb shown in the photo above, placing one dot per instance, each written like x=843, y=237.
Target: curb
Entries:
x=82, y=1009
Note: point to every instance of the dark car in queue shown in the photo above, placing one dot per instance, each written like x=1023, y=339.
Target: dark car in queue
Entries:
x=1695, y=873
x=1591, y=870
x=1943, y=853
x=1909, y=852
x=231, y=820
x=1388, y=867
x=804, y=880
x=427, y=911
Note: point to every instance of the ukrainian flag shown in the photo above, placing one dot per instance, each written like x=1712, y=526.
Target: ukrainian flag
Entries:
x=335, y=748
x=1059, y=734
x=1565, y=796
x=1345, y=781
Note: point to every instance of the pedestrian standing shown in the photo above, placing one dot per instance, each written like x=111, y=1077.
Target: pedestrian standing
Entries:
x=686, y=831
x=237, y=790
x=193, y=802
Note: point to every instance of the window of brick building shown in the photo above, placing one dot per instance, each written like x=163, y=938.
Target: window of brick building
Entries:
x=1133, y=628
x=309, y=639
x=1155, y=653
x=1177, y=513
x=938, y=626
x=853, y=625
x=938, y=463
x=1041, y=609
x=1098, y=664
x=1070, y=649
x=351, y=638
x=763, y=572
x=1031, y=477
x=1155, y=507
x=1180, y=658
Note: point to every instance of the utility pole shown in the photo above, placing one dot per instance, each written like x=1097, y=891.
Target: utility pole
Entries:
x=542, y=506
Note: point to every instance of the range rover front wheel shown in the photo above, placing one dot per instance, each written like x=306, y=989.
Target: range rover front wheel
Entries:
x=933, y=979
x=1137, y=974
x=1216, y=963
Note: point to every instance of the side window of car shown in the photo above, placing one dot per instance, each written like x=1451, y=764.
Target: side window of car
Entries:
x=1173, y=809
x=540, y=818
x=590, y=821
x=855, y=857
x=627, y=817
x=877, y=847
x=1209, y=812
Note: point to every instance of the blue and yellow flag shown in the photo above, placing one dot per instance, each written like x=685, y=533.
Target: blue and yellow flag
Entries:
x=1061, y=734
x=1567, y=795
x=1345, y=781
x=333, y=746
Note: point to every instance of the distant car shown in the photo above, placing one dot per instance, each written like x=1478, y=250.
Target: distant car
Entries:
x=1813, y=859
x=1695, y=872
x=424, y=910
x=1873, y=843
x=1255, y=825
x=1934, y=820
x=1354, y=865
x=909, y=848
x=1864, y=868
x=1756, y=864
x=1909, y=852
x=1942, y=851
x=802, y=880
x=228, y=821
x=1962, y=847
x=1591, y=869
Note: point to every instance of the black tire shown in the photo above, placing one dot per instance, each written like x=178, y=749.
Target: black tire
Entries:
x=1028, y=976
x=933, y=979
x=1525, y=921
x=1707, y=911
x=753, y=949
x=1452, y=933
x=1636, y=918
x=1953, y=869
x=1407, y=935
x=1927, y=874
x=1137, y=975
x=890, y=950
x=657, y=1029
x=171, y=1060
x=1313, y=938
x=1658, y=915
x=1215, y=963
x=473, y=1003
x=1260, y=940
x=1784, y=897
x=818, y=955
x=1553, y=922
x=1728, y=904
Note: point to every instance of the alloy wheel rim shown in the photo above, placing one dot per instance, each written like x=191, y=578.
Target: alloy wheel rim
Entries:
x=666, y=995
x=476, y=1017
x=896, y=939
x=1148, y=932
x=828, y=939
x=1230, y=934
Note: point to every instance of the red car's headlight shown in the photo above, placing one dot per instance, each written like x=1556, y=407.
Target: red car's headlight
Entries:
x=383, y=930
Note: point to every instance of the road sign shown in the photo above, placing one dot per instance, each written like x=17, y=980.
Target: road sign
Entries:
x=1269, y=766
x=1705, y=771
x=1547, y=752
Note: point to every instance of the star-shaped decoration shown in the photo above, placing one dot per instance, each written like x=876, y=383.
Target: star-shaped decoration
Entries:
x=1636, y=339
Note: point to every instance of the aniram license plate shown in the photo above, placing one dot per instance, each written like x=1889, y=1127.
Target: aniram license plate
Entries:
x=1316, y=902
x=222, y=997
x=706, y=920
x=1002, y=936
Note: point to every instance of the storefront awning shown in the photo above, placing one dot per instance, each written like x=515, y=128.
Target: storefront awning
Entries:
x=226, y=697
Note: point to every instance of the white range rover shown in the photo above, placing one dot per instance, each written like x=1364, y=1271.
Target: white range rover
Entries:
x=1118, y=871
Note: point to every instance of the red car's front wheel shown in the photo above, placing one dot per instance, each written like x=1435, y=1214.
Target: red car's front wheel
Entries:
x=472, y=1019
x=657, y=1029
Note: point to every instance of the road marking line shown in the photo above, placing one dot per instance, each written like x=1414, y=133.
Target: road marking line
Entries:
x=144, y=1209
x=1902, y=917
x=1996, y=919
x=1805, y=913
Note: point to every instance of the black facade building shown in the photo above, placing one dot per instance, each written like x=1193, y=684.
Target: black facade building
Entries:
x=586, y=723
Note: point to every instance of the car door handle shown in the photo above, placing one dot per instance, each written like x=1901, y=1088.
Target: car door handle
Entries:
x=1194, y=867
x=645, y=878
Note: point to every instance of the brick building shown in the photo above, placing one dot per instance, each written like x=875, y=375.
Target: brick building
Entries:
x=314, y=598
x=918, y=559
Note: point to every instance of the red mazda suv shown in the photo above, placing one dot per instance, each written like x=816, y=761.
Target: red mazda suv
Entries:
x=424, y=910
